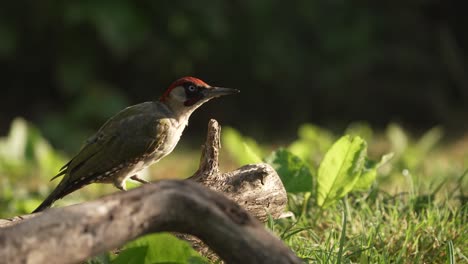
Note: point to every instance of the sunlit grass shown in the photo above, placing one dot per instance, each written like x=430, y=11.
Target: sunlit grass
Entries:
x=380, y=229
x=403, y=218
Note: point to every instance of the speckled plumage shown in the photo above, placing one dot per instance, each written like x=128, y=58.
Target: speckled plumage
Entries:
x=133, y=139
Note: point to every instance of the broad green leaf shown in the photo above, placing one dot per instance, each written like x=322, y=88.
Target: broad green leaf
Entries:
x=369, y=173
x=161, y=248
x=340, y=169
x=134, y=255
x=294, y=173
x=245, y=150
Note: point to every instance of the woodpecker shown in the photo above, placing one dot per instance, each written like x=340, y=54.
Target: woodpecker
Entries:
x=134, y=138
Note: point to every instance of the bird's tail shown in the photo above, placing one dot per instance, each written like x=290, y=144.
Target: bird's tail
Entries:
x=60, y=191
x=47, y=203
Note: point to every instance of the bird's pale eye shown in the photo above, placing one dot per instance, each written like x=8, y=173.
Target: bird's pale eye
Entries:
x=192, y=88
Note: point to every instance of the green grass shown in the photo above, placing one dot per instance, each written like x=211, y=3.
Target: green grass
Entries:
x=414, y=212
x=380, y=228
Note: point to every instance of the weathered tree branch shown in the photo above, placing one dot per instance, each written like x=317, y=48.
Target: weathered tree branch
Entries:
x=75, y=233
x=256, y=187
x=72, y=234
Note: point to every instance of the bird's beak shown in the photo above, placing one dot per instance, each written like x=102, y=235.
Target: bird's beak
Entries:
x=218, y=91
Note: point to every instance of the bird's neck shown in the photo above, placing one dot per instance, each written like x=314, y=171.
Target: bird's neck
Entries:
x=180, y=112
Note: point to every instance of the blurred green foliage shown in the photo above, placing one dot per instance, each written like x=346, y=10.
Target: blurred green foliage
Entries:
x=246, y=150
x=412, y=155
x=26, y=160
x=73, y=64
x=24, y=145
x=318, y=168
x=312, y=143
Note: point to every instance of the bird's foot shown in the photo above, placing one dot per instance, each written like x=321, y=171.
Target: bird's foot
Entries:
x=135, y=178
x=120, y=185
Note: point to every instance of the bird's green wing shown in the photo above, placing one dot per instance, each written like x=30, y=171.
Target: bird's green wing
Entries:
x=125, y=138
x=134, y=132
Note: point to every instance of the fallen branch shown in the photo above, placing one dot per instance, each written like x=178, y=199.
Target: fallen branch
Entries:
x=75, y=233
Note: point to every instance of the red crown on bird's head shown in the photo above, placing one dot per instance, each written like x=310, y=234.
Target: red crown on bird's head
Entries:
x=182, y=81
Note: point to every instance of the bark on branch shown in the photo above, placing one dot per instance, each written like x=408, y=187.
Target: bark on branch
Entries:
x=256, y=187
x=75, y=233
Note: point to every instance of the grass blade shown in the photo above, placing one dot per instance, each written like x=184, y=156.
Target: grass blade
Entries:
x=450, y=253
x=343, y=232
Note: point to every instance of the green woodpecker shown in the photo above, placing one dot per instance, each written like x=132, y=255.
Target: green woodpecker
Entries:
x=134, y=138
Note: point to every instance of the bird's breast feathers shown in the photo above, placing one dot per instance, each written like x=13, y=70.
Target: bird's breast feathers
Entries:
x=166, y=139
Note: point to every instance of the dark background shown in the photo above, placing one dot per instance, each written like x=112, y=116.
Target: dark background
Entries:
x=69, y=65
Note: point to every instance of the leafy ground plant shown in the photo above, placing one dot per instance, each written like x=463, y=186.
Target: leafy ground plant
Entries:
x=407, y=207
x=345, y=167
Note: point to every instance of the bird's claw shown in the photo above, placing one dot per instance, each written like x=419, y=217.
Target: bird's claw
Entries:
x=135, y=178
